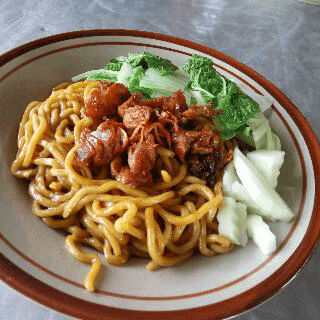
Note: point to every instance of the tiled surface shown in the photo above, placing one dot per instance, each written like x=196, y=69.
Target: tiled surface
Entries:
x=280, y=39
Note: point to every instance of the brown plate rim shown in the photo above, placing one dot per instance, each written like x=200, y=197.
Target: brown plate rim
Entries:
x=65, y=303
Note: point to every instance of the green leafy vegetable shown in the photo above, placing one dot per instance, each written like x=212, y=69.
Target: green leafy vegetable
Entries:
x=100, y=74
x=154, y=76
x=245, y=134
x=237, y=107
x=205, y=81
x=151, y=75
x=147, y=60
x=207, y=85
x=262, y=135
x=154, y=81
x=114, y=64
x=134, y=82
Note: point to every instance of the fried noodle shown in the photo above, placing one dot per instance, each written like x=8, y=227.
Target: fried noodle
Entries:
x=166, y=222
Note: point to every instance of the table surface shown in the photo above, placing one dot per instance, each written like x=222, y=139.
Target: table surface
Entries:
x=279, y=39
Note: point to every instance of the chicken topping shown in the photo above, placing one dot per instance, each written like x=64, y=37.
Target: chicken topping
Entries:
x=135, y=128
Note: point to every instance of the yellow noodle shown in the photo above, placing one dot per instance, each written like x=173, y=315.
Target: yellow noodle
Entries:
x=173, y=181
x=35, y=140
x=180, y=228
x=123, y=224
x=114, y=259
x=106, y=224
x=188, y=245
x=59, y=224
x=184, y=220
x=154, y=251
x=164, y=223
x=165, y=176
x=25, y=119
x=94, y=242
x=203, y=248
x=219, y=243
x=59, y=134
x=85, y=258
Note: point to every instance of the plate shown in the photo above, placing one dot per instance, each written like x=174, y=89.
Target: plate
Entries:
x=33, y=257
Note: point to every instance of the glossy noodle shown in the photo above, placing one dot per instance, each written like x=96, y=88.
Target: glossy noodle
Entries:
x=166, y=222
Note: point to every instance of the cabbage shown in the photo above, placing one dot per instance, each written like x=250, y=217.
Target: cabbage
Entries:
x=263, y=137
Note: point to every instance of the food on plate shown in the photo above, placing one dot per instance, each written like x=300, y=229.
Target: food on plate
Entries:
x=144, y=159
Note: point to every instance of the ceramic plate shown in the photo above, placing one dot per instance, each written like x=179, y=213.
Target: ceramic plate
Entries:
x=33, y=257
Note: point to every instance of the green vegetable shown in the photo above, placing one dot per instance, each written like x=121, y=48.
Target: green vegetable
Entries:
x=114, y=64
x=147, y=60
x=245, y=134
x=258, y=133
x=205, y=82
x=154, y=76
x=167, y=85
x=125, y=73
x=100, y=74
x=207, y=85
x=110, y=72
x=134, y=82
x=151, y=75
x=262, y=135
x=237, y=107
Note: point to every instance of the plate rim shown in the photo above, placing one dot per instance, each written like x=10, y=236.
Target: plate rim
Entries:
x=73, y=306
